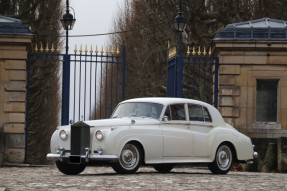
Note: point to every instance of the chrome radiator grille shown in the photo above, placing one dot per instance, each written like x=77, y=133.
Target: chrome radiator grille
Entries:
x=80, y=138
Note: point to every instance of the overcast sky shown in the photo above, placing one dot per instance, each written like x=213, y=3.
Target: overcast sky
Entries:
x=92, y=17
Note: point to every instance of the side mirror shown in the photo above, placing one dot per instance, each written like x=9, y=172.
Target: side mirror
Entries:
x=165, y=118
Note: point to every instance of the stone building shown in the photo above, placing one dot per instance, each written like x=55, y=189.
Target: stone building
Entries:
x=253, y=82
x=15, y=41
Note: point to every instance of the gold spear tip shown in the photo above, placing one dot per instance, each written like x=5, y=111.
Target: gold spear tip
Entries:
x=52, y=49
x=96, y=50
x=91, y=50
x=118, y=50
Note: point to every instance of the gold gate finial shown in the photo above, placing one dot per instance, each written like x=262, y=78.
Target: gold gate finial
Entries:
x=112, y=51
x=204, y=51
x=58, y=47
x=199, y=52
x=75, y=50
x=36, y=48
x=193, y=51
x=81, y=49
x=96, y=51
x=91, y=50
x=188, y=52
x=41, y=47
x=86, y=49
x=209, y=52
x=102, y=50
x=52, y=49
x=47, y=48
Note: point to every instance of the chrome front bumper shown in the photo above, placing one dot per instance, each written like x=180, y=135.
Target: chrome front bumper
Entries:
x=87, y=157
x=111, y=158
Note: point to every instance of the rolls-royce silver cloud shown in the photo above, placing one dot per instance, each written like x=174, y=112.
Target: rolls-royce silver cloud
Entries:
x=161, y=132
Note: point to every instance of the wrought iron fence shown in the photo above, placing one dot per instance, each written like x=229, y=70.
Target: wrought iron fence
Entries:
x=194, y=76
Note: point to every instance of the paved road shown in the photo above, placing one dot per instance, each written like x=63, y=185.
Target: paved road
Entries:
x=104, y=178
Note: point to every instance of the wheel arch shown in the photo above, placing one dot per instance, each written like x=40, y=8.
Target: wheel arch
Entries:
x=232, y=147
x=136, y=142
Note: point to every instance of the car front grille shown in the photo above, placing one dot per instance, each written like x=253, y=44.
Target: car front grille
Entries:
x=80, y=138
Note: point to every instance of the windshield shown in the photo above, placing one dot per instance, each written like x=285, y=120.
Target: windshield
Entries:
x=138, y=109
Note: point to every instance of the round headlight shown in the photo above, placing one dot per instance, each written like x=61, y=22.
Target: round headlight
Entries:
x=63, y=135
x=99, y=135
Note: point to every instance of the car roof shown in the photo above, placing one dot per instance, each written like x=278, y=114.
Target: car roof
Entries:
x=166, y=100
x=216, y=116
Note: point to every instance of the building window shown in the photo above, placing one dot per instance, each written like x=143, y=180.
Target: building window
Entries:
x=266, y=100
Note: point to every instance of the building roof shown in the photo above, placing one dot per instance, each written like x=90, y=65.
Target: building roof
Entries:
x=261, y=29
x=13, y=26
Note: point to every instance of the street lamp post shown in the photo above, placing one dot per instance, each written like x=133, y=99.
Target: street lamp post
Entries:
x=179, y=25
x=68, y=22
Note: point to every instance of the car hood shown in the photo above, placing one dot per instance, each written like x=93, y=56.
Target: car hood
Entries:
x=125, y=121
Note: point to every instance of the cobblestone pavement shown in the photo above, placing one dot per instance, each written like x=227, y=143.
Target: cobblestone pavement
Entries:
x=104, y=178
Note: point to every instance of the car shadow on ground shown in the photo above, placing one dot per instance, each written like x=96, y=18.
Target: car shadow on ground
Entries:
x=146, y=173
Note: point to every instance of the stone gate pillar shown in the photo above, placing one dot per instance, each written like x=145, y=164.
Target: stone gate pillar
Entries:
x=15, y=41
x=253, y=81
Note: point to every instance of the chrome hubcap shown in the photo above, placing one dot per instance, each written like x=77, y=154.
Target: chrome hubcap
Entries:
x=224, y=157
x=129, y=156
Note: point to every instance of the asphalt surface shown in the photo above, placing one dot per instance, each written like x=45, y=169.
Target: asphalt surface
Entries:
x=104, y=178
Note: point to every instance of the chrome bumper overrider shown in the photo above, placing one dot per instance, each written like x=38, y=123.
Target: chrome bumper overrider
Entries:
x=255, y=155
x=87, y=157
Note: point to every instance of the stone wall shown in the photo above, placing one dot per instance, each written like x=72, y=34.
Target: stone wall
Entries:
x=13, y=57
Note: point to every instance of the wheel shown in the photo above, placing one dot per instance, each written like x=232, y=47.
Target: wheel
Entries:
x=223, y=160
x=70, y=169
x=130, y=159
x=163, y=168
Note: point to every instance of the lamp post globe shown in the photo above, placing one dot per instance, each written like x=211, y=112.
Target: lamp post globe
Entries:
x=179, y=23
x=68, y=21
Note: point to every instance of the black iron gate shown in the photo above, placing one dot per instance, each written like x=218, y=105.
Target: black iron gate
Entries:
x=193, y=76
x=93, y=82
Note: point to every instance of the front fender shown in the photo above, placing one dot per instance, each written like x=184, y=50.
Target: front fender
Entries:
x=57, y=142
x=149, y=138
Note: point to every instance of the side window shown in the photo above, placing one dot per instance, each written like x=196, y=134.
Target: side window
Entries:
x=198, y=113
x=195, y=113
x=175, y=112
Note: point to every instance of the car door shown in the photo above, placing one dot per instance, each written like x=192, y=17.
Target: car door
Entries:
x=177, y=137
x=200, y=125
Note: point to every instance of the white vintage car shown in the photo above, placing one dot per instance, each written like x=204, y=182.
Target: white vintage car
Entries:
x=161, y=132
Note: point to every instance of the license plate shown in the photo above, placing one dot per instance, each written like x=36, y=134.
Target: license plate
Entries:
x=75, y=159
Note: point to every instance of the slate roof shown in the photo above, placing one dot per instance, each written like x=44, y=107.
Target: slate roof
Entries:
x=261, y=29
x=13, y=26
